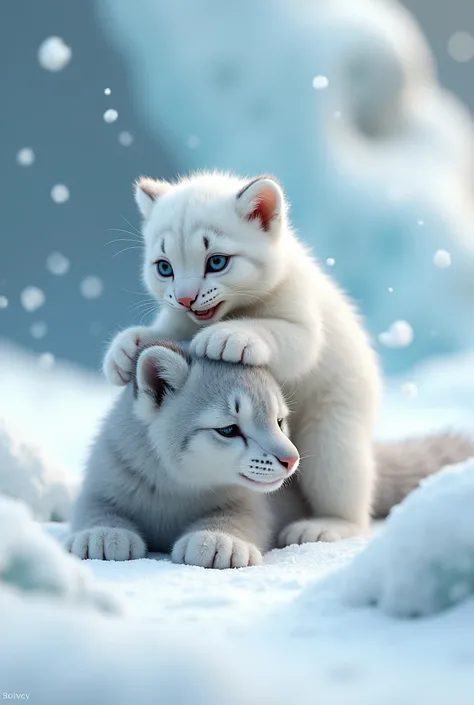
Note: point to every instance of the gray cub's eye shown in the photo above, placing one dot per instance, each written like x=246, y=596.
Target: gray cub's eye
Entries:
x=217, y=263
x=164, y=268
x=280, y=422
x=229, y=431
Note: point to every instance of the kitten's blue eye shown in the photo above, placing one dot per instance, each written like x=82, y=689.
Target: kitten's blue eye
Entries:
x=164, y=268
x=216, y=263
x=229, y=431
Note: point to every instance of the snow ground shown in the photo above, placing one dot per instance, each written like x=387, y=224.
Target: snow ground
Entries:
x=284, y=632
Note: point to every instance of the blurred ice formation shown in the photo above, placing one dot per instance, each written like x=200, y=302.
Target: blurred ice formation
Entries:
x=378, y=166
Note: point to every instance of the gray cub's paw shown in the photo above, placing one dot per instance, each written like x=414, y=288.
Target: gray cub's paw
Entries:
x=215, y=549
x=119, y=359
x=313, y=530
x=106, y=544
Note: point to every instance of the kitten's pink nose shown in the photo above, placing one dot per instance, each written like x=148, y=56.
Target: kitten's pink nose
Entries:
x=186, y=301
x=289, y=463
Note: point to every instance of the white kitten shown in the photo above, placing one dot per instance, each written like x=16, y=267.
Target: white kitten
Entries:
x=221, y=257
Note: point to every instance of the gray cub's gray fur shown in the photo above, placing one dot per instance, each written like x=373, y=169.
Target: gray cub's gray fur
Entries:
x=161, y=477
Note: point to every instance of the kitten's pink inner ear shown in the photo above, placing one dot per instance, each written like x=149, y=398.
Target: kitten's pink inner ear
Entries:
x=265, y=205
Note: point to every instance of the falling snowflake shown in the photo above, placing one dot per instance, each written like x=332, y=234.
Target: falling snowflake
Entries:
x=330, y=261
x=38, y=330
x=107, y=91
x=125, y=138
x=60, y=193
x=399, y=335
x=390, y=289
x=461, y=47
x=421, y=223
x=338, y=115
x=442, y=259
x=46, y=361
x=91, y=287
x=25, y=157
x=58, y=264
x=193, y=142
x=110, y=115
x=320, y=82
x=32, y=298
x=54, y=54
x=410, y=390
x=3, y=302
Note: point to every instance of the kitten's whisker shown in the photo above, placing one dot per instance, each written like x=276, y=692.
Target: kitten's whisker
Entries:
x=132, y=226
x=127, y=232
x=245, y=294
x=126, y=249
x=137, y=293
x=121, y=239
x=141, y=304
x=147, y=312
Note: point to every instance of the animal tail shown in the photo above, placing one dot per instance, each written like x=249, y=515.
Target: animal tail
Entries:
x=402, y=465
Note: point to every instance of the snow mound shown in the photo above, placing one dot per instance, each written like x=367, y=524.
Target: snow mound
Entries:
x=27, y=476
x=33, y=562
x=422, y=561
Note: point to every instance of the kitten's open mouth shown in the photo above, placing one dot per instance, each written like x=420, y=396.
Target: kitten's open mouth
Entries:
x=207, y=314
x=273, y=483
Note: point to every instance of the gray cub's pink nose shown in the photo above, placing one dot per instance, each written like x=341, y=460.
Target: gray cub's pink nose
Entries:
x=186, y=301
x=288, y=463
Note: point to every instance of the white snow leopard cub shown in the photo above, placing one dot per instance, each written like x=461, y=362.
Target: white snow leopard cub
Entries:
x=230, y=274
x=184, y=462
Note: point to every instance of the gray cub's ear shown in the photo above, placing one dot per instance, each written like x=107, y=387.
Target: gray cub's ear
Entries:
x=161, y=368
x=262, y=200
x=147, y=192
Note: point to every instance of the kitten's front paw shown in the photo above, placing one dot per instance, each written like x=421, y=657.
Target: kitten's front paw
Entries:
x=106, y=544
x=119, y=358
x=214, y=549
x=220, y=342
x=313, y=530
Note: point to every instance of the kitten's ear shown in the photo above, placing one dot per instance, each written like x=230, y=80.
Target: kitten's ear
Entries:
x=147, y=191
x=263, y=200
x=161, y=368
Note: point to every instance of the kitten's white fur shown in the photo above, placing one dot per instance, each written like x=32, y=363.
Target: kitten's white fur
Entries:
x=277, y=308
